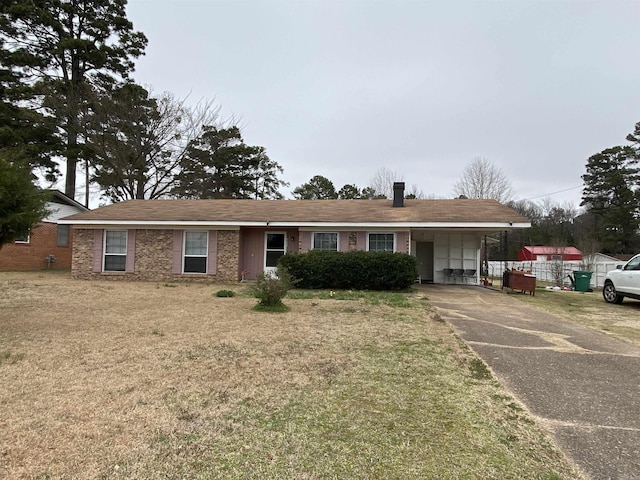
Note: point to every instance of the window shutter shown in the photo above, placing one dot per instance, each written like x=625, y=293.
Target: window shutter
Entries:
x=305, y=241
x=131, y=251
x=401, y=242
x=212, y=254
x=343, y=241
x=177, y=252
x=362, y=241
x=97, y=249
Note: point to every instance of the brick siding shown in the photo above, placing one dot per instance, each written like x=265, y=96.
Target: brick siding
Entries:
x=82, y=260
x=353, y=241
x=43, y=241
x=153, y=255
x=228, y=255
x=154, y=258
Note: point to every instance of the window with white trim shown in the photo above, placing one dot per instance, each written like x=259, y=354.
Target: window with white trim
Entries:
x=115, y=250
x=22, y=238
x=195, y=252
x=275, y=247
x=325, y=241
x=381, y=242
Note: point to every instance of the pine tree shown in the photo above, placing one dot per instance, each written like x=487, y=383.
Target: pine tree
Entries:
x=611, y=191
x=219, y=164
x=55, y=51
x=318, y=188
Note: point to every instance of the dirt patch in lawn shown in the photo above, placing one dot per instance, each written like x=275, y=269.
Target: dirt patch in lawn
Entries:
x=151, y=380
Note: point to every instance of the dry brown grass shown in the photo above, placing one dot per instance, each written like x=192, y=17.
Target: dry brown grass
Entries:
x=146, y=380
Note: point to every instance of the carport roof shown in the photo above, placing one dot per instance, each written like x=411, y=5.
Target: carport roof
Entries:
x=414, y=213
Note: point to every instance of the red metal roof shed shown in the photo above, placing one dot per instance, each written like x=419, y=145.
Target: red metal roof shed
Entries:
x=542, y=252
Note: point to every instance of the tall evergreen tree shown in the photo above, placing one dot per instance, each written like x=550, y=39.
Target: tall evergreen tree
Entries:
x=219, y=164
x=26, y=135
x=57, y=50
x=349, y=192
x=318, y=188
x=265, y=177
x=611, y=191
x=634, y=137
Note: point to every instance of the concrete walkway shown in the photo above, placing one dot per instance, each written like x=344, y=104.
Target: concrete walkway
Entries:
x=582, y=385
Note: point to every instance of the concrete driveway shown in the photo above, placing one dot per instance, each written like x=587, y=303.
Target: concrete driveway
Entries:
x=582, y=385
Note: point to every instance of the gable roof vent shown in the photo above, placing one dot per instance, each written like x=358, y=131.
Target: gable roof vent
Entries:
x=398, y=194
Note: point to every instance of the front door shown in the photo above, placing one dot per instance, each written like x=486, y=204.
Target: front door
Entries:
x=275, y=247
x=424, y=256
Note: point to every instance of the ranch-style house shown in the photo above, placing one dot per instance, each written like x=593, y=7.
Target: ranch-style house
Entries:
x=229, y=240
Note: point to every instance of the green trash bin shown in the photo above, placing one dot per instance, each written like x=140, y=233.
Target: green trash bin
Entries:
x=583, y=281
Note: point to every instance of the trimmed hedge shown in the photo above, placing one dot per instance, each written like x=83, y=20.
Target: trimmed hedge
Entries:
x=357, y=270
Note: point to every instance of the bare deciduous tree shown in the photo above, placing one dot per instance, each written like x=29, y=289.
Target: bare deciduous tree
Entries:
x=382, y=182
x=139, y=141
x=415, y=192
x=565, y=211
x=482, y=179
x=589, y=247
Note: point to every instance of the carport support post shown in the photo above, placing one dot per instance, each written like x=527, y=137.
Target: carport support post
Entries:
x=503, y=246
x=485, y=261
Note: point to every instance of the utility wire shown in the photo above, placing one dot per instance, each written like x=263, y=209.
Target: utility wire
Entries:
x=553, y=193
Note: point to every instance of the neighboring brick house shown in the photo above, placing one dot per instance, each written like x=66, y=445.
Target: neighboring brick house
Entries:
x=225, y=240
x=48, y=244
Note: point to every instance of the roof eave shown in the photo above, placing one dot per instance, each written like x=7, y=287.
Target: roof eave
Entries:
x=236, y=224
x=68, y=200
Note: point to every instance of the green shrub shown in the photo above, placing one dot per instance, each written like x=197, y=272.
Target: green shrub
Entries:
x=271, y=288
x=225, y=293
x=358, y=270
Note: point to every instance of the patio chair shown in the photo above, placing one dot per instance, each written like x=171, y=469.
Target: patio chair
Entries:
x=448, y=274
x=458, y=273
x=468, y=273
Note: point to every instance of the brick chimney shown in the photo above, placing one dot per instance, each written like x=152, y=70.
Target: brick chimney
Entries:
x=398, y=194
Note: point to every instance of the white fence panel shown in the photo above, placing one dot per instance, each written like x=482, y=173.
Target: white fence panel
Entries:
x=544, y=271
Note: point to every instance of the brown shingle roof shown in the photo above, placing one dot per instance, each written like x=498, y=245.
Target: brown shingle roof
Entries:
x=241, y=212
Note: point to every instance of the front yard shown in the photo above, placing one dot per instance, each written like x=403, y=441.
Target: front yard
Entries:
x=152, y=380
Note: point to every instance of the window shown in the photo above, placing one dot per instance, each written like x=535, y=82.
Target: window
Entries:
x=23, y=238
x=634, y=264
x=63, y=235
x=381, y=242
x=115, y=250
x=275, y=247
x=195, y=252
x=325, y=241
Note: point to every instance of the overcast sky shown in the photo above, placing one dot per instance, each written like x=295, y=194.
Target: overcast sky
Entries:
x=342, y=88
